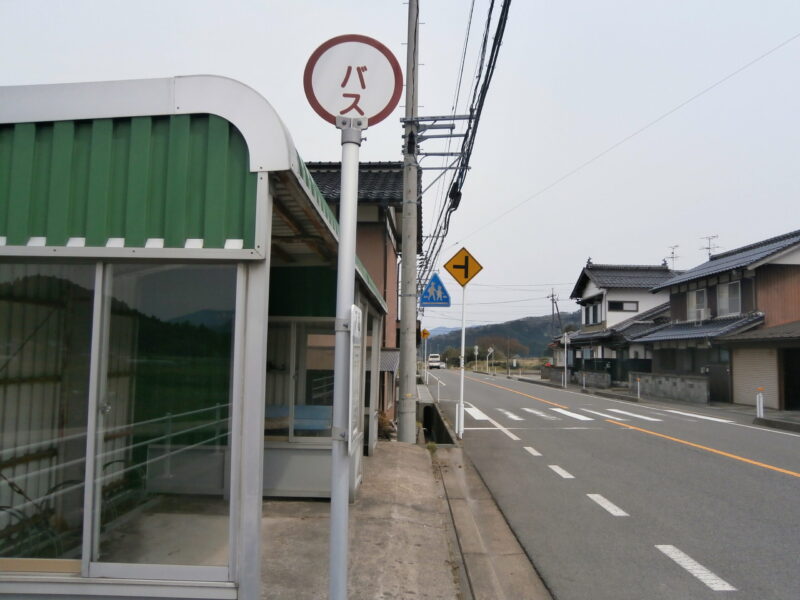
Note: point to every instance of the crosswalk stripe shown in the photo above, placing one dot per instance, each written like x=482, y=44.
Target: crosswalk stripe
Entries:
x=476, y=414
x=572, y=414
x=696, y=416
x=541, y=414
x=634, y=415
x=510, y=415
x=604, y=415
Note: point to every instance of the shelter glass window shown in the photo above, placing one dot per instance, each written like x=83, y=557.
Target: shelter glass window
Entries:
x=313, y=410
x=162, y=451
x=45, y=347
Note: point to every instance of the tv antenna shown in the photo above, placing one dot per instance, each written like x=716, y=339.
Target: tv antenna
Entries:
x=710, y=245
x=672, y=256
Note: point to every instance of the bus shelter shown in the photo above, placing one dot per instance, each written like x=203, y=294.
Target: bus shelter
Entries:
x=167, y=298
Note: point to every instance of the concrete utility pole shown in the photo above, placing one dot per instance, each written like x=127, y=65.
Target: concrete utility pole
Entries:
x=407, y=420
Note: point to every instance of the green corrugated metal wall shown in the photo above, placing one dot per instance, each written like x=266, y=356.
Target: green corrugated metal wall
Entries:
x=174, y=177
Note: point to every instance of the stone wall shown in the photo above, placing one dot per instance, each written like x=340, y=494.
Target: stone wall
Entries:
x=593, y=379
x=688, y=388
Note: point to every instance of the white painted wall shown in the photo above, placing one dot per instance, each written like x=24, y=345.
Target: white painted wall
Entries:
x=645, y=299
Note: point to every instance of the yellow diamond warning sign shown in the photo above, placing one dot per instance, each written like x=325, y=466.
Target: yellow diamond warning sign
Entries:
x=463, y=267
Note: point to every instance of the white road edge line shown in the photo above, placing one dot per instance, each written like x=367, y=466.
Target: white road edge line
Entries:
x=496, y=424
x=558, y=470
x=567, y=413
x=696, y=416
x=532, y=451
x=608, y=505
x=695, y=568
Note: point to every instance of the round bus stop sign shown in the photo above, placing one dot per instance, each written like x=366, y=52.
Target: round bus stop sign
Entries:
x=353, y=76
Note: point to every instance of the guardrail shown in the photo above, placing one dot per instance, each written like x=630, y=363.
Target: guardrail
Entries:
x=439, y=383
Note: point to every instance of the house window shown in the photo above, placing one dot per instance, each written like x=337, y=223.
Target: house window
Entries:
x=729, y=298
x=620, y=306
x=696, y=305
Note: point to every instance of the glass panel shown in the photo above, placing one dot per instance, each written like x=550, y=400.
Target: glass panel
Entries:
x=279, y=380
x=45, y=340
x=163, y=423
x=313, y=411
x=734, y=298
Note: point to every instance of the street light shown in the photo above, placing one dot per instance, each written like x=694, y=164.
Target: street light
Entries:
x=489, y=352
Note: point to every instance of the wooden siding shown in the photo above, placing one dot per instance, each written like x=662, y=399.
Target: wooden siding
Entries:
x=677, y=306
x=778, y=293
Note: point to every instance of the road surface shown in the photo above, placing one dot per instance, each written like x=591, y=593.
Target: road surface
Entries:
x=619, y=500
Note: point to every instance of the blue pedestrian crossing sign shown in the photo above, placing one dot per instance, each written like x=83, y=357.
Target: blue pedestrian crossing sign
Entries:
x=434, y=293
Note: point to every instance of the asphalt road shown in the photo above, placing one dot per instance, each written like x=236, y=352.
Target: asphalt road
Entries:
x=619, y=500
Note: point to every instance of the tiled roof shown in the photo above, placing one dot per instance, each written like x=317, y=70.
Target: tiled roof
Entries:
x=377, y=181
x=778, y=333
x=736, y=259
x=700, y=330
x=630, y=329
x=621, y=276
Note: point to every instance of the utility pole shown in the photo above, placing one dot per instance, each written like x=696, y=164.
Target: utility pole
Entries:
x=407, y=419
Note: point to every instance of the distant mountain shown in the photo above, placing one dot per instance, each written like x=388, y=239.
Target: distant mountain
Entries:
x=443, y=330
x=533, y=332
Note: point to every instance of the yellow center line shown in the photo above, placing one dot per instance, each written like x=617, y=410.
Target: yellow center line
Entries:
x=707, y=449
x=516, y=392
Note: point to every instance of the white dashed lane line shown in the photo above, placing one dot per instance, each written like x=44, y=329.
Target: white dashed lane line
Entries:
x=559, y=471
x=695, y=568
x=608, y=505
x=532, y=451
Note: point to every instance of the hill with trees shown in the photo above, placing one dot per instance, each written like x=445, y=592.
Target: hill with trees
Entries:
x=524, y=337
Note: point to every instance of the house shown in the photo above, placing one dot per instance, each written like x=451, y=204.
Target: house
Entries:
x=616, y=307
x=733, y=329
x=378, y=246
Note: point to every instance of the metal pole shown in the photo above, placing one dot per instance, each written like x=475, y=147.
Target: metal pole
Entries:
x=425, y=360
x=345, y=295
x=566, y=360
x=760, y=403
x=407, y=419
x=460, y=407
x=638, y=388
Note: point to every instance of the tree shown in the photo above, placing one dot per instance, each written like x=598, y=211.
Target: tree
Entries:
x=502, y=346
x=450, y=356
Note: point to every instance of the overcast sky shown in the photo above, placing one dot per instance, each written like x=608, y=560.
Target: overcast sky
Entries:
x=556, y=176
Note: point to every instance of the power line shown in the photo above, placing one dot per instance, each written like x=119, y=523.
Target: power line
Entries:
x=633, y=135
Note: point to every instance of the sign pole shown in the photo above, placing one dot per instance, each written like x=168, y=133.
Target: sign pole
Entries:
x=346, y=76
x=345, y=292
x=460, y=407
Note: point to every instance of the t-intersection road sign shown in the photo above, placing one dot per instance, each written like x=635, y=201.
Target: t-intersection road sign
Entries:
x=463, y=267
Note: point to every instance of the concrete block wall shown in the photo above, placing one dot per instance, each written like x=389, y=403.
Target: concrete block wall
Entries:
x=593, y=379
x=689, y=388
